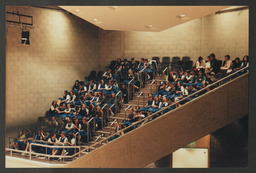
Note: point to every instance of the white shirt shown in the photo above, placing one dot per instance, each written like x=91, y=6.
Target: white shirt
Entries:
x=184, y=91
x=71, y=126
x=65, y=140
x=202, y=64
x=100, y=85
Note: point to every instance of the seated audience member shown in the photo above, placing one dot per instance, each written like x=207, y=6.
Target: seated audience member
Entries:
x=69, y=126
x=111, y=104
x=99, y=117
x=27, y=141
x=91, y=112
x=141, y=65
x=193, y=76
x=77, y=126
x=237, y=64
x=118, y=62
x=82, y=90
x=116, y=131
x=180, y=77
x=170, y=102
x=200, y=80
x=227, y=68
x=71, y=142
x=178, y=89
x=88, y=99
x=83, y=130
x=107, y=75
x=52, y=141
x=75, y=88
x=133, y=62
x=102, y=86
x=164, y=103
x=108, y=88
x=124, y=93
x=115, y=87
x=192, y=91
x=149, y=104
x=172, y=89
x=156, y=105
x=214, y=64
x=95, y=99
x=66, y=97
x=61, y=125
x=72, y=98
x=92, y=87
x=138, y=115
x=101, y=99
x=18, y=143
x=200, y=64
x=171, y=77
x=245, y=62
x=184, y=90
x=83, y=112
x=62, y=141
x=188, y=77
x=208, y=65
x=53, y=109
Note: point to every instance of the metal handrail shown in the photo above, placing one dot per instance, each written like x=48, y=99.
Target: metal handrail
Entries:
x=153, y=81
x=90, y=120
x=143, y=69
x=140, y=94
x=127, y=107
x=131, y=80
x=165, y=69
x=118, y=93
x=104, y=106
x=162, y=110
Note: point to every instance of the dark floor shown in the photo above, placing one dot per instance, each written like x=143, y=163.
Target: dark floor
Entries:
x=229, y=145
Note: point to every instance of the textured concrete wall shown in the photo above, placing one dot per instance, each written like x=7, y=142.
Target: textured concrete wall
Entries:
x=222, y=34
x=63, y=48
x=177, y=129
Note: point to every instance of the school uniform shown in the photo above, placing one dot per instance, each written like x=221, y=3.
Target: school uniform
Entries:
x=69, y=128
x=149, y=104
x=108, y=91
x=92, y=88
x=49, y=150
x=88, y=100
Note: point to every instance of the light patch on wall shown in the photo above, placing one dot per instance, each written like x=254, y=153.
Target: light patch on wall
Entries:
x=58, y=34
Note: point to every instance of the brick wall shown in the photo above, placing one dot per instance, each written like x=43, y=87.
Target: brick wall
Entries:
x=62, y=48
x=222, y=34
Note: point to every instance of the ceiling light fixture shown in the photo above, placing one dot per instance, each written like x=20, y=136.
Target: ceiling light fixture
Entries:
x=149, y=27
x=115, y=8
x=77, y=10
x=183, y=17
x=96, y=21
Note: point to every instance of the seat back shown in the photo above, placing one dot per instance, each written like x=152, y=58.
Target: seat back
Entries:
x=185, y=58
x=175, y=59
x=166, y=59
x=157, y=59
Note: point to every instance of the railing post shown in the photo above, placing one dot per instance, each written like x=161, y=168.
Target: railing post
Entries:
x=143, y=99
x=30, y=152
x=140, y=74
x=88, y=132
x=107, y=110
x=94, y=125
x=128, y=91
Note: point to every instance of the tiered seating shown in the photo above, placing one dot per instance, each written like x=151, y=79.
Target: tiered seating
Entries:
x=87, y=109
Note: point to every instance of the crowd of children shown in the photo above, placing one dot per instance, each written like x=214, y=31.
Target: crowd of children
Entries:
x=68, y=116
